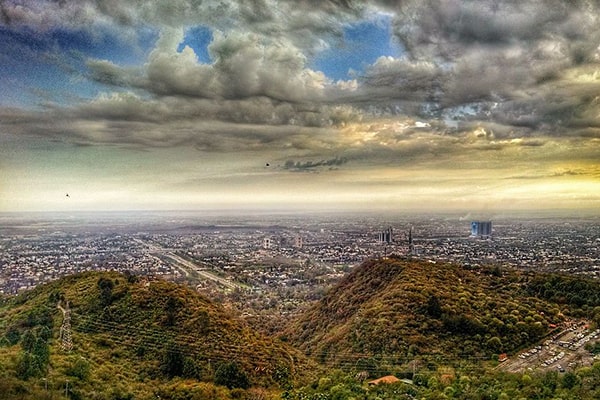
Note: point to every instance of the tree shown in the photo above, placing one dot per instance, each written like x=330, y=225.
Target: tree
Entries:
x=191, y=369
x=283, y=376
x=549, y=382
x=42, y=351
x=44, y=333
x=231, y=375
x=434, y=309
x=13, y=335
x=79, y=369
x=28, y=341
x=172, y=306
x=34, y=357
x=28, y=366
x=106, y=286
x=172, y=361
x=494, y=344
x=569, y=380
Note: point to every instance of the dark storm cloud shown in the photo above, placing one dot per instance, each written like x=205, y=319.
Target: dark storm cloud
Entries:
x=127, y=120
x=314, y=165
x=392, y=79
x=508, y=53
x=445, y=28
x=258, y=111
x=514, y=65
x=555, y=109
x=302, y=22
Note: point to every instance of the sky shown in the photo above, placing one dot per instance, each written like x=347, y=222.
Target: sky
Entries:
x=388, y=105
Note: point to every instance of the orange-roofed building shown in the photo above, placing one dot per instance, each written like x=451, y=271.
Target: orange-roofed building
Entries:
x=385, y=379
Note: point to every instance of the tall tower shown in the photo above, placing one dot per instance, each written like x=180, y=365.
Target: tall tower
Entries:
x=482, y=229
x=386, y=236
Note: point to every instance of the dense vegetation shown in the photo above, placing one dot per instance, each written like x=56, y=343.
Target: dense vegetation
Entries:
x=566, y=289
x=134, y=339
x=468, y=382
x=438, y=326
x=387, y=312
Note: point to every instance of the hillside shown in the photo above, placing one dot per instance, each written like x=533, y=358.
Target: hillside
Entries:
x=133, y=339
x=388, y=311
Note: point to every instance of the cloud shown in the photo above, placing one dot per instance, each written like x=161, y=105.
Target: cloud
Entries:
x=126, y=119
x=108, y=73
x=303, y=22
x=458, y=53
x=314, y=165
x=519, y=69
x=257, y=111
x=400, y=79
x=569, y=172
x=590, y=172
x=445, y=29
x=244, y=65
x=497, y=52
x=251, y=80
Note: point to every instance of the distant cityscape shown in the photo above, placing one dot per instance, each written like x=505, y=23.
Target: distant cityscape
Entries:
x=260, y=253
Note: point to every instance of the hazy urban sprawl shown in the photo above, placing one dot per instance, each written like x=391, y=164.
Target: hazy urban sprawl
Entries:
x=271, y=253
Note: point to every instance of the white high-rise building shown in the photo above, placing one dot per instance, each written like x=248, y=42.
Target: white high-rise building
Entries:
x=267, y=243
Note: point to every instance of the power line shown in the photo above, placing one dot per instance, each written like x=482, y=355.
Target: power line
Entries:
x=200, y=346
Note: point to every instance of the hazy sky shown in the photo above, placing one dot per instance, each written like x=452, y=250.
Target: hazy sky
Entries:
x=475, y=105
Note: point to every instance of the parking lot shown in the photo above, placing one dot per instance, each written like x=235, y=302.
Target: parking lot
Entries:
x=562, y=352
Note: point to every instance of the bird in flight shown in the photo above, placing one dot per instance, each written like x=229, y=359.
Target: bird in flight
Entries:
x=67, y=195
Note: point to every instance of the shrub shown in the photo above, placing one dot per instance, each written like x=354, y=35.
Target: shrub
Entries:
x=231, y=375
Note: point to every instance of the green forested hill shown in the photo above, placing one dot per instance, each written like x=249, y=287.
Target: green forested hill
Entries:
x=440, y=325
x=394, y=309
x=432, y=322
x=133, y=339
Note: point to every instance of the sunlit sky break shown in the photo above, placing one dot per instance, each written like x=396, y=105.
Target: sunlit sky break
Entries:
x=417, y=105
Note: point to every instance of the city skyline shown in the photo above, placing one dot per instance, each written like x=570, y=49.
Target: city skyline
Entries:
x=307, y=105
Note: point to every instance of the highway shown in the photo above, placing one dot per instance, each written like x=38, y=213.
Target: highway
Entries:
x=202, y=272
x=186, y=266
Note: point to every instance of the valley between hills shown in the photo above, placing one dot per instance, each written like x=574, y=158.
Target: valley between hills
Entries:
x=444, y=330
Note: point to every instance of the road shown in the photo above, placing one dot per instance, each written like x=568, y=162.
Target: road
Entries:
x=202, y=272
x=186, y=266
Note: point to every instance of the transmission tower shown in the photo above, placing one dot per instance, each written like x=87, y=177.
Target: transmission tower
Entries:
x=66, y=340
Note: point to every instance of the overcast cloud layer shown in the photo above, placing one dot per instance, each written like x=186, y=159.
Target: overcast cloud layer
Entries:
x=482, y=104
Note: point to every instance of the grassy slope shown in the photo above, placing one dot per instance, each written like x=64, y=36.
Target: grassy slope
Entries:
x=125, y=343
